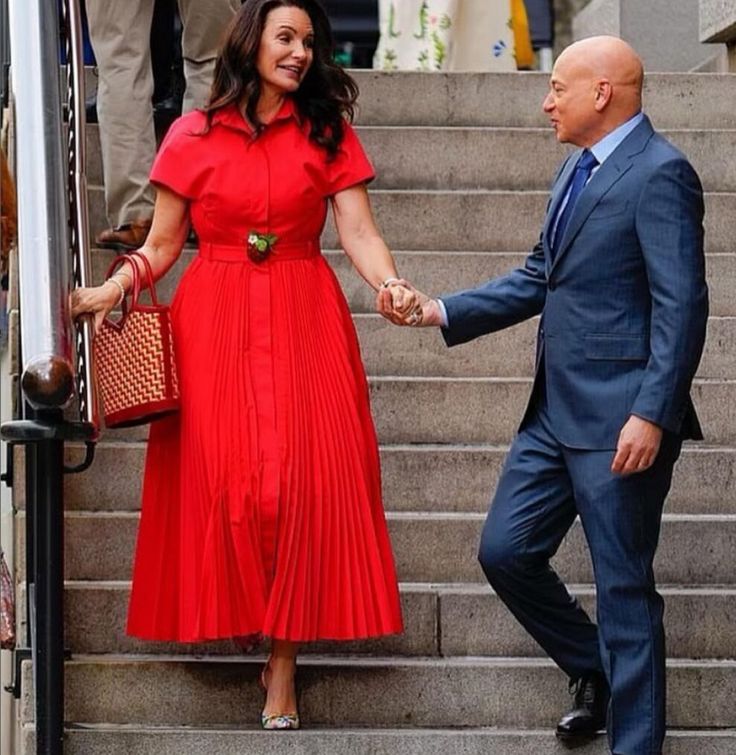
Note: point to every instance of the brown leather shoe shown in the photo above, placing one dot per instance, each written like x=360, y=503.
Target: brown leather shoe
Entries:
x=127, y=236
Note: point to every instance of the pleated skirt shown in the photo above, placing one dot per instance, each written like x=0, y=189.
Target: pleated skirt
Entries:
x=261, y=510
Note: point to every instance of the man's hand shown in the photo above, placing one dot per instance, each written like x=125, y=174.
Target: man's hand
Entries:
x=426, y=311
x=638, y=446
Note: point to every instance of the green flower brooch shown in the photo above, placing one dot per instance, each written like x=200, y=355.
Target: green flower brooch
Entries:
x=260, y=245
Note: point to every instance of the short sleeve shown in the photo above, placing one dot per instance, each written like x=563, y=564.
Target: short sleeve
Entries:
x=351, y=165
x=176, y=165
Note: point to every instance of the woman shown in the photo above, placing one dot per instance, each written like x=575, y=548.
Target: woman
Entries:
x=261, y=501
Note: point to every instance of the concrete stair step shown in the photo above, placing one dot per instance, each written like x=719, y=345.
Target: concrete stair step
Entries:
x=388, y=350
x=351, y=691
x=110, y=739
x=431, y=478
x=680, y=101
x=486, y=410
x=672, y=100
x=489, y=158
x=443, y=548
x=414, y=157
x=498, y=221
x=432, y=548
x=440, y=620
x=444, y=272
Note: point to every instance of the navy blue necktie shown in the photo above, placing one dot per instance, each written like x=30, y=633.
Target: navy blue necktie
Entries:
x=583, y=169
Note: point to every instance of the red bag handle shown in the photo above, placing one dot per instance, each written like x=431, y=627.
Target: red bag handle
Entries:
x=122, y=259
x=149, y=277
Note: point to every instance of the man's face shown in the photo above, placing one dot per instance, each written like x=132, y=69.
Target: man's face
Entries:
x=570, y=103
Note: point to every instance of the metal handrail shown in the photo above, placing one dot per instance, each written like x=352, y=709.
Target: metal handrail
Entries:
x=43, y=229
x=79, y=210
x=45, y=236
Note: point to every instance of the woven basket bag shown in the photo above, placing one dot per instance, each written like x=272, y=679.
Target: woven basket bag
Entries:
x=136, y=367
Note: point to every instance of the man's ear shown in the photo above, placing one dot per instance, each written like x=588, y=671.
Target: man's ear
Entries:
x=603, y=93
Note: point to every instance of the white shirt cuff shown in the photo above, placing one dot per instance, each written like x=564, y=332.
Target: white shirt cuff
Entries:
x=443, y=313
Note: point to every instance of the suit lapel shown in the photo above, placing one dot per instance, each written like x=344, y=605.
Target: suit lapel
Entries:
x=602, y=182
x=558, y=192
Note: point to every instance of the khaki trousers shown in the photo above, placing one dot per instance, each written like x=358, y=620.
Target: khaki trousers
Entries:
x=120, y=33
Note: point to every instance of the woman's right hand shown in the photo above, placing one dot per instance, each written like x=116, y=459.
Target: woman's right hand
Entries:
x=98, y=300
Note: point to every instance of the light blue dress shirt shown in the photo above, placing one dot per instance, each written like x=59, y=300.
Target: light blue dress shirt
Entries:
x=602, y=150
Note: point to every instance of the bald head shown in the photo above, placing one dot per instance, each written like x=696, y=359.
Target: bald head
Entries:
x=607, y=58
x=596, y=86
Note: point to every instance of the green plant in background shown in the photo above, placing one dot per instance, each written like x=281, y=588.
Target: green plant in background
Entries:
x=423, y=21
x=440, y=50
x=423, y=60
x=389, y=60
x=392, y=22
x=445, y=22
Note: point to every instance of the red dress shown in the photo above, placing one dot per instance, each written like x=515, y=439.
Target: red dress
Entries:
x=262, y=506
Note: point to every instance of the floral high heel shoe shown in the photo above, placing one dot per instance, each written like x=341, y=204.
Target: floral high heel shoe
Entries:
x=277, y=721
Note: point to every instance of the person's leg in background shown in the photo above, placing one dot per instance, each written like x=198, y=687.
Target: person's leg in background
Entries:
x=120, y=35
x=165, y=54
x=204, y=23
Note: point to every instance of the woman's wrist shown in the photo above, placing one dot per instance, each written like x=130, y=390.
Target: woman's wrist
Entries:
x=124, y=274
x=390, y=281
x=120, y=288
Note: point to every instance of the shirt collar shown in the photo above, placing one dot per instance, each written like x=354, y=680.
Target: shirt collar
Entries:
x=231, y=115
x=606, y=146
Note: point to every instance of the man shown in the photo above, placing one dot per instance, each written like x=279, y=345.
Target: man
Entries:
x=120, y=34
x=618, y=278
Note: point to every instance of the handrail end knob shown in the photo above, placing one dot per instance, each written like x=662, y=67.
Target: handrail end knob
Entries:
x=48, y=382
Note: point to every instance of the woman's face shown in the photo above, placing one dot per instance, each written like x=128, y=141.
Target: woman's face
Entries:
x=286, y=50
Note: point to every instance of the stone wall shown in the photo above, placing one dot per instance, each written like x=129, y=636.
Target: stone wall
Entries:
x=565, y=11
x=718, y=24
x=666, y=33
x=718, y=21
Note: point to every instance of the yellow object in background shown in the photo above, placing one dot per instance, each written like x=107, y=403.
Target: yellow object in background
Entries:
x=522, y=37
x=453, y=35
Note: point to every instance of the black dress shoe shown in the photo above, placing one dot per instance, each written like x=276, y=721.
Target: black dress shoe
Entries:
x=589, y=709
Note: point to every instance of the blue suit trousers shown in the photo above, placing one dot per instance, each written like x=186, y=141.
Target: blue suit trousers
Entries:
x=543, y=488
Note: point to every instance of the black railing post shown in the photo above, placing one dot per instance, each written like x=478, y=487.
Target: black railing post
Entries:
x=30, y=555
x=49, y=597
x=44, y=434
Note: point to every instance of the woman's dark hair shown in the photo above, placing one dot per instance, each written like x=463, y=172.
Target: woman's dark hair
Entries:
x=326, y=94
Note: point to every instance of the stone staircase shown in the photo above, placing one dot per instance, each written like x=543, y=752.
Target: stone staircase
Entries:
x=464, y=163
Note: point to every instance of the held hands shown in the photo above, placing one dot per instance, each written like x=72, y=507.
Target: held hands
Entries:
x=638, y=446
x=403, y=304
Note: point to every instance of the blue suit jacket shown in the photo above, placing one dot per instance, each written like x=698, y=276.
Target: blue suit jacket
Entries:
x=624, y=305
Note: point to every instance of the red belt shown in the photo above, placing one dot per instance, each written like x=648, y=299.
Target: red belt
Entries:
x=281, y=252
